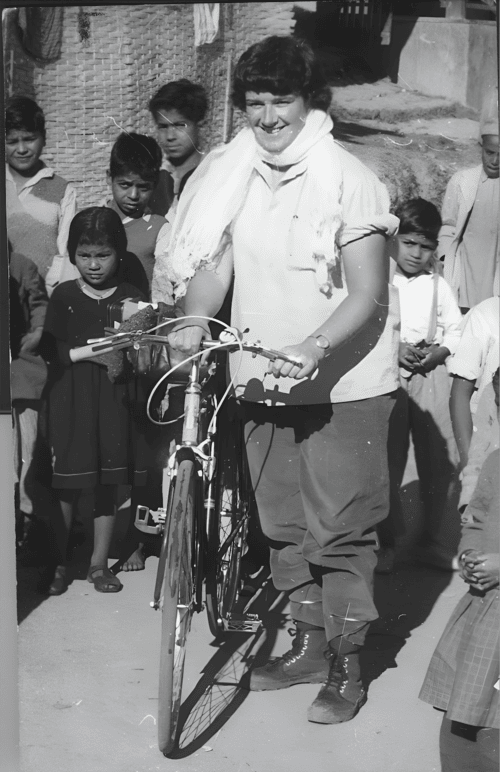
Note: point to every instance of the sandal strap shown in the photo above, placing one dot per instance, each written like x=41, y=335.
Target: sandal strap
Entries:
x=106, y=576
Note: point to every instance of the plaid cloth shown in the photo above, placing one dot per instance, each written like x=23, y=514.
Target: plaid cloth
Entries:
x=465, y=665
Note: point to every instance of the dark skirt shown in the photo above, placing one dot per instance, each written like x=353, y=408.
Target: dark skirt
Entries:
x=462, y=678
x=95, y=429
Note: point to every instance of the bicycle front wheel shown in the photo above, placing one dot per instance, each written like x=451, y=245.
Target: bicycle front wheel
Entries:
x=178, y=603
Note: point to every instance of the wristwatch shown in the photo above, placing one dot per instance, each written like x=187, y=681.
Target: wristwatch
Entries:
x=322, y=342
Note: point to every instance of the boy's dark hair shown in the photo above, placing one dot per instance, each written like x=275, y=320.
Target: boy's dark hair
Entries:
x=23, y=114
x=419, y=216
x=97, y=225
x=188, y=98
x=281, y=65
x=136, y=153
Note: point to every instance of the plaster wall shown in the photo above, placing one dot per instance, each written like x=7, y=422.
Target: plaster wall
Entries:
x=483, y=70
x=442, y=57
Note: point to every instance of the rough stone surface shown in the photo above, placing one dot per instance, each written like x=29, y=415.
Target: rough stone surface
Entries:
x=412, y=142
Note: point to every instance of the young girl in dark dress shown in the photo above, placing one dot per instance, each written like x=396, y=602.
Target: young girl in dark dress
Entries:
x=94, y=425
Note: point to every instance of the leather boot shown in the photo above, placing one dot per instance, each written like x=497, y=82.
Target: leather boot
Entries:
x=305, y=663
x=343, y=693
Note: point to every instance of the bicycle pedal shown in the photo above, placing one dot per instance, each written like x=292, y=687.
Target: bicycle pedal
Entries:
x=242, y=623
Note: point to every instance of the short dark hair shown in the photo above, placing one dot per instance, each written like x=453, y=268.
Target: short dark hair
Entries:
x=97, y=225
x=281, y=65
x=136, y=153
x=419, y=216
x=23, y=114
x=190, y=99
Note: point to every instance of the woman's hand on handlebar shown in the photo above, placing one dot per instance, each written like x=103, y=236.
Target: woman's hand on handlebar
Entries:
x=307, y=353
x=186, y=339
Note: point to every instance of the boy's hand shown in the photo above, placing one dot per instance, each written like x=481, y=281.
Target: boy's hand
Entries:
x=410, y=356
x=30, y=341
x=434, y=356
x=485, y=571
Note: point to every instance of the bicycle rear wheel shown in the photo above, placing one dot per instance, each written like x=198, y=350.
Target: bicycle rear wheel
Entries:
x=178, y=603
x=227, y=529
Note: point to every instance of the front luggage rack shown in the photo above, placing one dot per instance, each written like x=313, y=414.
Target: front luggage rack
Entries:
x=142, y=516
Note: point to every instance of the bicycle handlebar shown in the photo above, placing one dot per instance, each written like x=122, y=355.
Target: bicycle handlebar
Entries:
x=87, y=352
x=136, y=339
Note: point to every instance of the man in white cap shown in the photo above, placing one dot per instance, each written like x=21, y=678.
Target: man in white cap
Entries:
x=469, y=238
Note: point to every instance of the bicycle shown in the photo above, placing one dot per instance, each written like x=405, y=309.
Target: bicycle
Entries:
x=205, y=520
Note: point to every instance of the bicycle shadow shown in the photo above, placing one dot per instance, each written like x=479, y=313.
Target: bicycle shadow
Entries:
x=223, y=687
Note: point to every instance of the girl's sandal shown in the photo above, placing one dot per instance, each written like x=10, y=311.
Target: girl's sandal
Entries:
x=103, y=579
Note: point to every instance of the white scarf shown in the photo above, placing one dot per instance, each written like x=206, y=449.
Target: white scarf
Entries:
x=217, y=190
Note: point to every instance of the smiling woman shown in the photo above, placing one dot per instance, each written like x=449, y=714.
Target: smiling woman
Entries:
x=302, y=224
x=275, y=120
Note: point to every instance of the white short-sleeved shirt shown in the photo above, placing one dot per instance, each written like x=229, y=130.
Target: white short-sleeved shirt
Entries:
x=277, y=297
x=476, y=357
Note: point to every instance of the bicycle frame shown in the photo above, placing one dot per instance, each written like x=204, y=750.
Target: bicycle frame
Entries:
x=190, y=447
x=205, y=464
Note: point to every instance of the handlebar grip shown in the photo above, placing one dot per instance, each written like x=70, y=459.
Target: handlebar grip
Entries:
x=87, y=352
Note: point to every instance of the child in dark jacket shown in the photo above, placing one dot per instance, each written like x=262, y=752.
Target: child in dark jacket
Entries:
x=28, y=306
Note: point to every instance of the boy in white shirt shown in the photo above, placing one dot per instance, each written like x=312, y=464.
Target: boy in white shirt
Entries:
x=430, y=333
x=473, y=365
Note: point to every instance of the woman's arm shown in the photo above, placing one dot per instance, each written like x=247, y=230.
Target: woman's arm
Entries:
x=204, y=297
x=366, y=268
x=461, y=418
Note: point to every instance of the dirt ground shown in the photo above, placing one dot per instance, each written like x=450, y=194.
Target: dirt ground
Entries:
x=89, y=679
x=89, y=662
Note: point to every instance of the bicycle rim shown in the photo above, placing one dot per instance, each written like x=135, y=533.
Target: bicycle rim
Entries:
x=226, y=538
x=178, y=604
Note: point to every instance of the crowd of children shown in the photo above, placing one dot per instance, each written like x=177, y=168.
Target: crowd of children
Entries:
x=96, y=255
x=67, y=267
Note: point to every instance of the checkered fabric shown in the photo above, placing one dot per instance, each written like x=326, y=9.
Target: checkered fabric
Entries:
x=465, y=665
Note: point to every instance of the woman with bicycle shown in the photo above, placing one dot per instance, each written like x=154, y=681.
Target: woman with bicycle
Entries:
x=302, y=225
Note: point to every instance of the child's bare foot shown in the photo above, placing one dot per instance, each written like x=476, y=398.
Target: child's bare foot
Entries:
x=136, y=561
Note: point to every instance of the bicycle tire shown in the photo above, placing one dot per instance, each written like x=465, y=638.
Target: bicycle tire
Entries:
x=227, y=531
x=178, y=603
